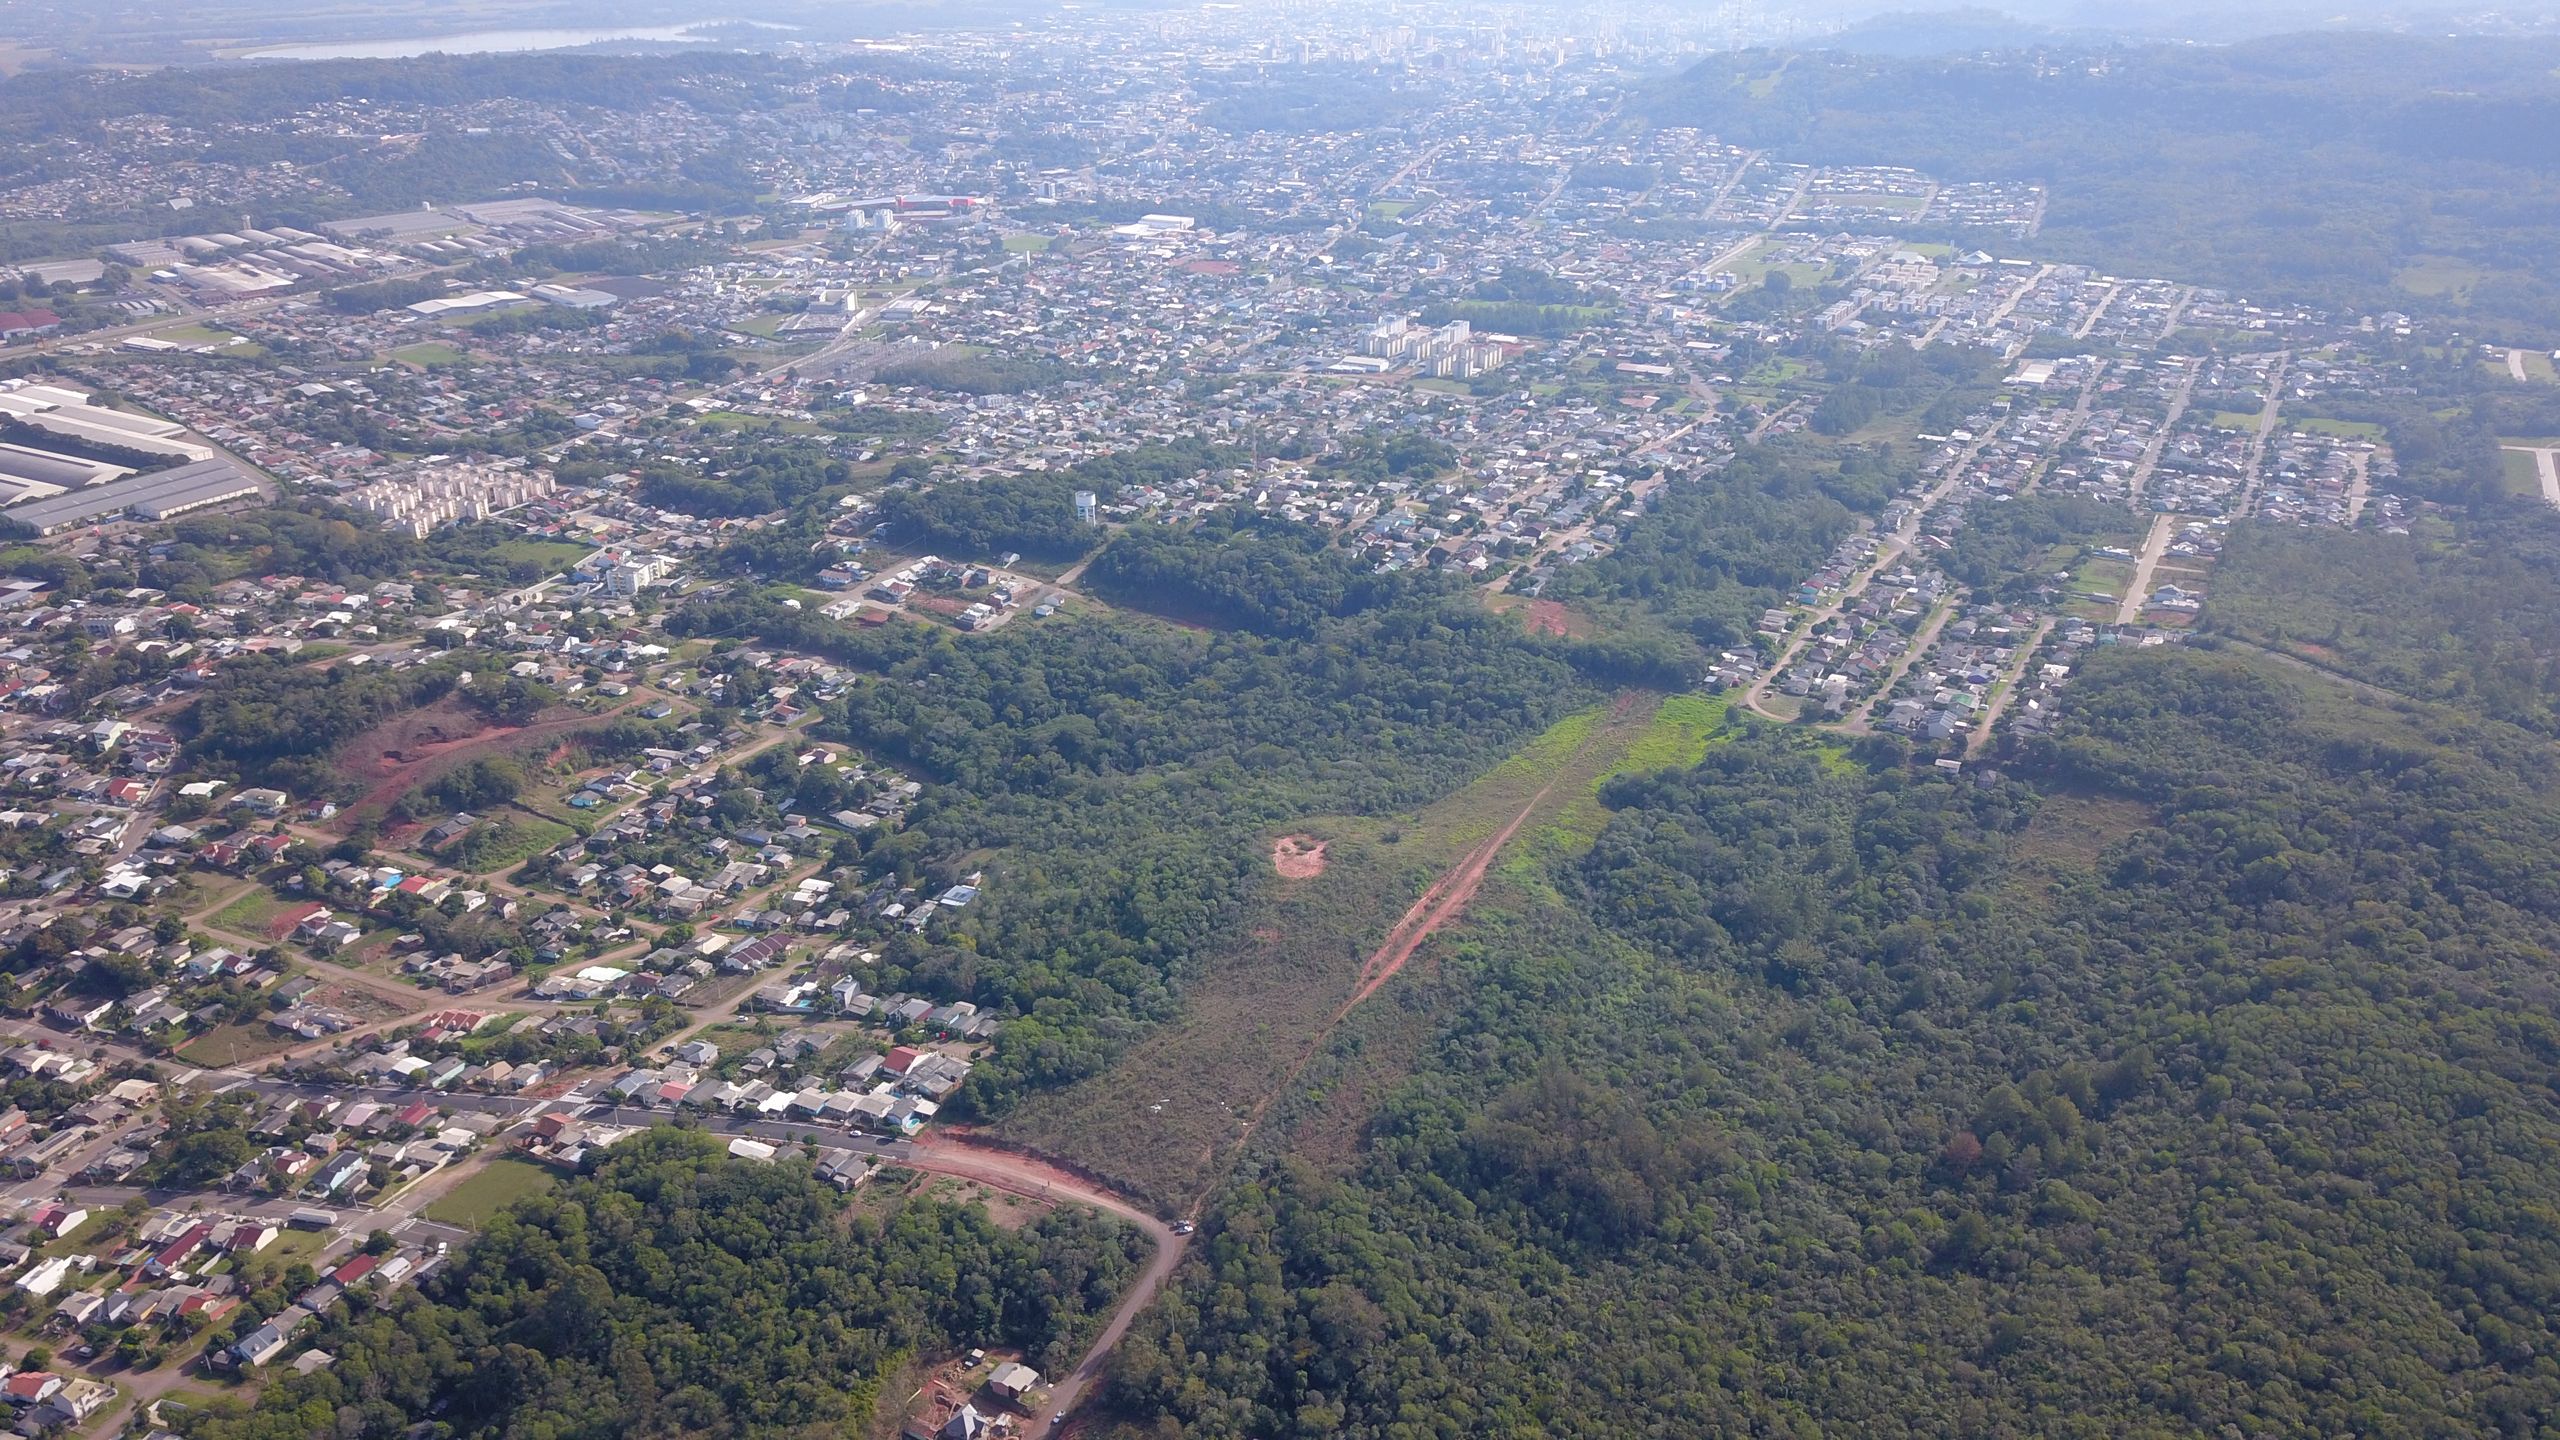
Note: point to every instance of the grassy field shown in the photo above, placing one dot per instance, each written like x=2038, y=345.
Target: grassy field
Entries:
x=529, y=834
x=2340, y=429
x=428, y=354
x=193, y=334
x=476, y=1201
x=251, y=913
x=1025, y=243
x=551, y=555
x=225, y=1045
x=2522, y=476
x=1676, y=737
x=2439, y=275
x=2234, y=420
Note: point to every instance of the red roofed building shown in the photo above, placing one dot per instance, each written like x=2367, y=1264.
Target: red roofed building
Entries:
x=20, y=324
x=356, y=1269
x=897, y=1061
x=176, y=1251
x=212, y=1307
x=30, y=1388
x=415, y=1113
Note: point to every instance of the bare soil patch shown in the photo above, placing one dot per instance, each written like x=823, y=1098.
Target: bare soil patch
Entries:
x=406, y=751
x=1298, y=857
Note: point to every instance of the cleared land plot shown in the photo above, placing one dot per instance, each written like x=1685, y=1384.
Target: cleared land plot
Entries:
x=429, y=354
x=2522, y=475
x=477, y=1201
x=1167, y=1117
x=251, y=913
x=402, y=753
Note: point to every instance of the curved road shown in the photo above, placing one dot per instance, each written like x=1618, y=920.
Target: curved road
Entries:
x=1021, y=1175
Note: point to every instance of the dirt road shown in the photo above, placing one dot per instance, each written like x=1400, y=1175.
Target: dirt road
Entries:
x=2138, y=589
x=966, y=1159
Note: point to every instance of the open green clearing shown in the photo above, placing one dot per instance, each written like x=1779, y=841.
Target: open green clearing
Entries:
x=501, y=1183
x=428, y=354
x=2522, y=475
x=2339, y=429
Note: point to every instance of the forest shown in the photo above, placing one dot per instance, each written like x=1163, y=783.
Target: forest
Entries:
x=2188, y=1077
x=1118, y=770
x=1717, y=550
x=675, y=1292
x=272, y=722
x=2466, y=613
x=1266, y=575
x=2307, y=167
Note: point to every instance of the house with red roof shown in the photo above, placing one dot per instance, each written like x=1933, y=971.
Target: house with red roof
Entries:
x=30, y=1387
x=175, y=1253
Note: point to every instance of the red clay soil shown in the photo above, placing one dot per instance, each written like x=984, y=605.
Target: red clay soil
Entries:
x=1443, y=902
x=1547, y=617
x=402, y=754
x=1298, y=857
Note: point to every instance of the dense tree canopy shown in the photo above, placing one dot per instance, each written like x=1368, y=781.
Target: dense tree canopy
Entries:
x=676, y=1292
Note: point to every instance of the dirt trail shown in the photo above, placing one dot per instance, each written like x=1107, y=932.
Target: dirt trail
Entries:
x=1028, y=1176
x=1442, y=903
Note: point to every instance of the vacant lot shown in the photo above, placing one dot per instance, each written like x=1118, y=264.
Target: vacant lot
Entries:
x=476, y=1201
x=251, y=913
x=402, y=753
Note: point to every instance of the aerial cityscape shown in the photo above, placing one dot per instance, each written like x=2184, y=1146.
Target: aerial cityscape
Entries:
x=1242, y=720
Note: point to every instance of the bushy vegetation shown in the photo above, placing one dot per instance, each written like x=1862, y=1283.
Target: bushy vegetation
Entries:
x=1716, y=551
x=756, y=480
x=274, y=723
x=1878, y=1103
x=1119, y=775
x=1266, y=575
x=2008, y=549
x=1036, y=514
x=968, y=372
x=677, y=1292
x=2466, y=614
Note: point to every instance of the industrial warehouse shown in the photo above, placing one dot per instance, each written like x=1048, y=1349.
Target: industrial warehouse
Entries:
x=156, y=496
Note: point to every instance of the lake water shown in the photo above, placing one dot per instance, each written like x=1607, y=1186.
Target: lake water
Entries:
x=477, y=42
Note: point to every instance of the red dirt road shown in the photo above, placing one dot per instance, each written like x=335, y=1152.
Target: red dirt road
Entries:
x=1443, y=902
x=958, y=1155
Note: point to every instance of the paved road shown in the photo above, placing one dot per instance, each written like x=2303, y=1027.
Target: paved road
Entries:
x=2150, y=460
x=2009, y=688
x=2546, y=464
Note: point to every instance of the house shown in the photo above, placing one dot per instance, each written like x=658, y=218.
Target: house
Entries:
x=1013, y=1381
x=263, y=803
x=77, y=1400
x=30, y=1387
x=262, y=1344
